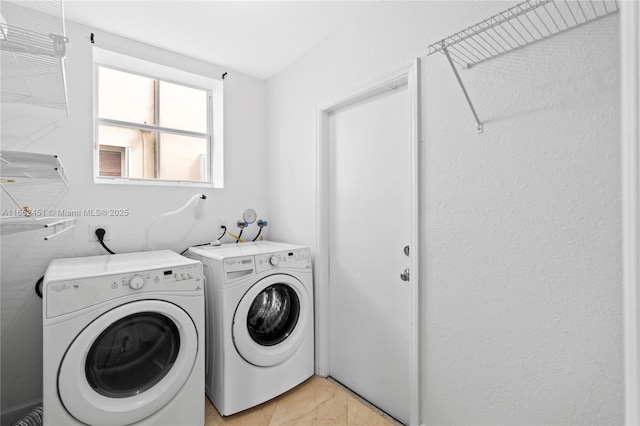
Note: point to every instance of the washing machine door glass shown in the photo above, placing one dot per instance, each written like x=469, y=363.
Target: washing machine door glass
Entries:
x=132, y=355
x=272, y=320
x=273, y=314
x=128, y=363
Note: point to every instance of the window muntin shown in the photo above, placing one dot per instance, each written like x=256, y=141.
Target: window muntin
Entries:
x=163, y=128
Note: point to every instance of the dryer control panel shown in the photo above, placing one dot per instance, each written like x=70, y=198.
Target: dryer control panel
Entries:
x=62, y=297
x=236, y=268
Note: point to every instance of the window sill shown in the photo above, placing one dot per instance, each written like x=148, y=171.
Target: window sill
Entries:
x=149, y=182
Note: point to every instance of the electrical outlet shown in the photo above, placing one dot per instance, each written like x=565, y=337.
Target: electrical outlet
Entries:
x=92, y=232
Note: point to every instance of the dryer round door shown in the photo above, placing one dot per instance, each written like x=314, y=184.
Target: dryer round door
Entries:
x=272, y=320
x=128, y=363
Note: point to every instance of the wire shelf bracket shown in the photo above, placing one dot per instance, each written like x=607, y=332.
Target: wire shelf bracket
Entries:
x=479, y=126
x=514, y=28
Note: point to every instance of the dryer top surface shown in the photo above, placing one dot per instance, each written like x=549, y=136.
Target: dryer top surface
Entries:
x=230, y=250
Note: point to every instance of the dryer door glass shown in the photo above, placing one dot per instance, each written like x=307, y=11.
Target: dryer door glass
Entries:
x=273, y=315
x=132, y=355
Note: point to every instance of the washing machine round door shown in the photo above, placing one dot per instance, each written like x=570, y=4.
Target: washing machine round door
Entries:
x=128, y=363
x=272, y=320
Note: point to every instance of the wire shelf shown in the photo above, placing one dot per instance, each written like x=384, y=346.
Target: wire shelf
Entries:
x=33, y=48
x=514, y=28
x=16, y=39
x=21, y=167
x=18, y=168
x=56, y=225
x=518, y=26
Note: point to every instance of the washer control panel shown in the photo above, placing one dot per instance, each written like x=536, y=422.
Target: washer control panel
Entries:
x=296, y=259
x=63, y=297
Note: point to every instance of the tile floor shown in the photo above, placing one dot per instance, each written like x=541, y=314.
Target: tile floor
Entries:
x=317, y=401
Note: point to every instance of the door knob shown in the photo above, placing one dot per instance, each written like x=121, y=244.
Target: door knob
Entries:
x=404, y=276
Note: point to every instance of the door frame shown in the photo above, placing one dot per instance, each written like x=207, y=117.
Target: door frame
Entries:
x=630, y=158
x=406, y=74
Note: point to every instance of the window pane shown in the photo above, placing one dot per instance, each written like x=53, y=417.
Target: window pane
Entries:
x=137, y=152
x=126, y=97
x=183, y=107
x=113, y=161
x=183, y=158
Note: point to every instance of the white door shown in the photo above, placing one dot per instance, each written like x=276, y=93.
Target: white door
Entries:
x=370, y=224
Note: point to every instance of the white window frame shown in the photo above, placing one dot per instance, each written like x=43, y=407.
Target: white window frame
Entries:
x=114, y=60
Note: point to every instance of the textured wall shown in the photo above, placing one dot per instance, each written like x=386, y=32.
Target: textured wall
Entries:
x=523, y=269
x=521, y=287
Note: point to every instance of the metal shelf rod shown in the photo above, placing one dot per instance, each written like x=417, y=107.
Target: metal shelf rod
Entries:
x=59, y=222
x=55, y=234
x=479, y=127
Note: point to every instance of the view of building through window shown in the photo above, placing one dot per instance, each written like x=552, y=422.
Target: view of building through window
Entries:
x=152, y=129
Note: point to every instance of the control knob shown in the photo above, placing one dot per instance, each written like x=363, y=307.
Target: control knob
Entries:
x=274, y=260
x=136, y=282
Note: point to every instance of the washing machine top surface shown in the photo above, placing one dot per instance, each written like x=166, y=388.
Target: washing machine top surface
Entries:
x=103, y=265
x=73, y=284
x=230, y=250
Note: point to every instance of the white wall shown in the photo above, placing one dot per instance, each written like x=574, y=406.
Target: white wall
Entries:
x=25, y=255
x=521, y=292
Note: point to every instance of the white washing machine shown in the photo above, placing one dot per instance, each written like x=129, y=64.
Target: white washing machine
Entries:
x=260, y=318
x=123, y=340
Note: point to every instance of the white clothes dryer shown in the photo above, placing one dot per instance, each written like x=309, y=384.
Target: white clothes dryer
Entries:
x=123, y=340
x=260, y=340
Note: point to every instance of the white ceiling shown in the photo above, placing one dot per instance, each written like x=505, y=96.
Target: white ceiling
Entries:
x=259, y=38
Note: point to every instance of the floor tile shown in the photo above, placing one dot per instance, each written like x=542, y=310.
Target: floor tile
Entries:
x=315, y=402
x=253, y=417
x=359, y=414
